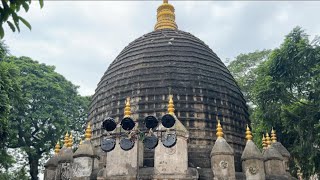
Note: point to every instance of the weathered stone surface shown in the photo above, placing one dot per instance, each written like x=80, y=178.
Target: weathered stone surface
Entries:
x=285, y=154
x=273, y=162
x=65, y=155
x=174, y=62
x=82, y=166
x=251, y=151
x=122, y=164
x=147, y=173
x=49, y=174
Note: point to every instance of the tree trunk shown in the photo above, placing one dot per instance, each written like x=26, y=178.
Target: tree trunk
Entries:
x=34, y=163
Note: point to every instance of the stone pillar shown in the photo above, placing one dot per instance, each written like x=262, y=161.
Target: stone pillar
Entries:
x=170, y=161
x=222, y=158
x=282, y=150
x=50, y=171
x=83, y=161
x=51, y=168
x=64, y=171
x=273, y=161
x=252, y=160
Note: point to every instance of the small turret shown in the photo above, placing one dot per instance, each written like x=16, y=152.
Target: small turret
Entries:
x=51, y=164
x=273, y=161
x=222, y=157
x=84, y=157
x=281, y=149
x=252, y=159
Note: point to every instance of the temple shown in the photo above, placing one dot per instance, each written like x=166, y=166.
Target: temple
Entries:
x=168, y=108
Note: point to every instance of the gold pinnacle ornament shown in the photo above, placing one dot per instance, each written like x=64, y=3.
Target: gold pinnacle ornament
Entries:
x=219, y=130
x=264, y=144
x=268, y=140
x=70, y=143
x=66, y=139
x=165, y=17
x=57, y=148
x=248, y=134
x=171, y=105
x=127, y=109
x=80, y=142
x=273, y=136
x=88, y=133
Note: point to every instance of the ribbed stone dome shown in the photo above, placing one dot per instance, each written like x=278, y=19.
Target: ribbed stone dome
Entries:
x=174, y=62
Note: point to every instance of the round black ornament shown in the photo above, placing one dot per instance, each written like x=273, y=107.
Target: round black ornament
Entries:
x=109, y=124
x=168, y=121
x=151, y=122
x=127, y=123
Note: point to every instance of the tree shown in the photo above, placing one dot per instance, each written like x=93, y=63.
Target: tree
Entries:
x=287, y=95
x=9, y=89
x=244, y=67
x=9, y=9
x=48, y=107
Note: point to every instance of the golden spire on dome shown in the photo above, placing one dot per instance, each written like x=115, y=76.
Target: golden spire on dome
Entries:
x=57, y=148
x=248, y=134
x=273, y=136
x=70, y=143
x=88, y=133
x=171, y=105
x=268, y=140
x=80, y=142
x=127, y=109
x=165, y=17
x=66, y=139
x=219, y=130
x=264, y=144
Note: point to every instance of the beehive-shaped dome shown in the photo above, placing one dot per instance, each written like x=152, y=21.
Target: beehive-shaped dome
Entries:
x=170, y=61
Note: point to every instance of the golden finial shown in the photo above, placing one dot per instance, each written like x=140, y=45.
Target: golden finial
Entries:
x=80, y=142
x=219, y=130
x=165, y=17
x=66, y=139
x=70, y=143
x=57, y=148
x=171, y=105
x=268, y=140
x=88, y=133
x=273, y=136
x=127, y=109
x=248, y=133
x=264, y=144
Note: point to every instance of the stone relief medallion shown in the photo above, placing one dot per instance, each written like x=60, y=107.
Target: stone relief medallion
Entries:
x=253, y=170
x=171, y=150
x=223, y=164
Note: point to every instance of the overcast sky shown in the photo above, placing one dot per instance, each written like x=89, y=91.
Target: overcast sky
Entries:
x=81, y=38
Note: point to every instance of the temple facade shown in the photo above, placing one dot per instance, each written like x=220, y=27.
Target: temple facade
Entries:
x=158, y=113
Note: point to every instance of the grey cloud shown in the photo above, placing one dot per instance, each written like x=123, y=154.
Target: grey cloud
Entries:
x=81, y=38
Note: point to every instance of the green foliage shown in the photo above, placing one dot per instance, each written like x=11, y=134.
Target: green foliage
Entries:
x=9, y=89
x=9, y=10
x=49, y=105
x=243, y=69
x=287, y=94
x=20, y=174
